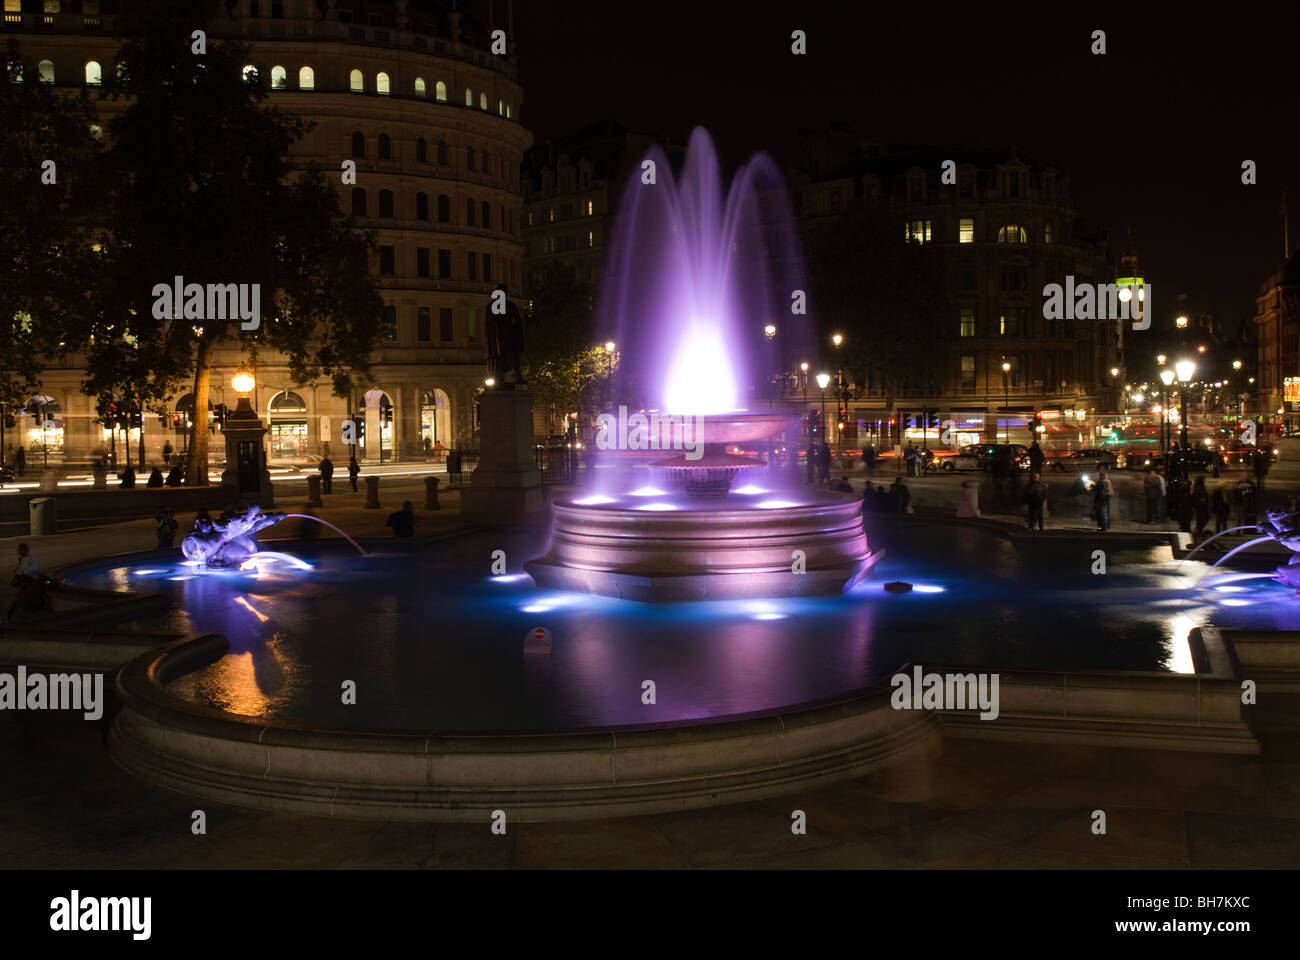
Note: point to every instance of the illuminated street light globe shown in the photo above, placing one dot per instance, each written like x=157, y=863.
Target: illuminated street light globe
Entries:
x=837, y=339
x=1185, y=370
x=804, y=366
x=1006, y=366
x=1125, y=294
x=823, y=379
x=769, y=331
x=1182, y=322
x=609, y=346
x=1236, y=364
x=1161, y=359
x=490, y=382
x=1167, y=376
x=243, y=381
x=1114, y=371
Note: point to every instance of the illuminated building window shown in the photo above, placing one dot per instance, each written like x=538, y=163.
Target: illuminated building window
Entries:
x=1047, y=232
x=591, y=239
x=440, y=91
x=306, y=79
x=420, y=89
x=968, y=321
x=501, y=108
x=469, y=97
x=279, y=78
x=966, y=230
x=482, y=101
x=589, y=208
x=94, y=76
x=1011, y=233
x=507, y=111
x=530, y=218
x=356, y=81
x=45, y=71
x=917, y=231
x=249, y=73
x=381, y=83
x=550, y=214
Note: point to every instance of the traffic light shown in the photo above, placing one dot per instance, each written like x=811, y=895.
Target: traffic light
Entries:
x=934, y=420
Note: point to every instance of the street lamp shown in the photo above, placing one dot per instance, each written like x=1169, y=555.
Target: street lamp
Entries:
x=1166, y=378
x=1185, y=370
x=1006, y=394
x=1181, y=322
x=823, y=379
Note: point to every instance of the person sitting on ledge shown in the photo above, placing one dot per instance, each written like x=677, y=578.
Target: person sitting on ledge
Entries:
x=127, y=477
x=155, y=478
x=403, y=521
x=176, y=476
x=842, y=485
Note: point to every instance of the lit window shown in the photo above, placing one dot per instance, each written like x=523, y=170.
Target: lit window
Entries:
x=469, y=97
x=968, y=322
x=1047, y=232
x=482, y=101
x=356, y=81
x=507, y=111
x=381, y=83
x=551, y=214
x=1011, y=234
x=420, y=89
x=966, y=230
x=94, y=76
x=918, y=231
x=306, y=79
x=591, y=239
x=968, y=372
x=279, y=78
x=250, y=73
x=45, y=71
x=440, y=91
x=589, y=208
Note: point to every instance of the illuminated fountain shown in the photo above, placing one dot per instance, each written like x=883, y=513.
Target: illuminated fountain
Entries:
x=231, y=541
x=693, y=279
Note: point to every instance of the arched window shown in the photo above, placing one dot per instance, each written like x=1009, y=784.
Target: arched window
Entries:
x=358, y=144
x=469, y=212
x=385, y=147
x=482, y=100
x=444, y=208
x=442, y=153
x=420, y=89
x=440, y=91
x=250, y=73
x=501, y=108
x=421, y=150
x=15, y=71
x=97, y=131
x=421, y=206
x=381, y=83
x=94, y=76
x=306, y=79
x=358, y=201
x=469, y=158
x=45, y=71
x=507, y=111
x=469, y=97
x=1011, y=234
x=385, y=203
x=284, y=402
x=356, y=81
x=279, y=78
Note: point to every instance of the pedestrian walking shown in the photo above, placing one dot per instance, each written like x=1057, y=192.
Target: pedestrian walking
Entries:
x=1035, y=498
x=327, y=475
x=911, y=458
x=354, y=470
x=166, y=529
x=1102, y=491
x=167, y=453
x=1151, y=487
x=1200, y=506
x=1036, y=458
x=1162, y=506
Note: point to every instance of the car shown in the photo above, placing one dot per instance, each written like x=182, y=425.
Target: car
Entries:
x=1088, y=457
x=967, y=458
x=986, y=453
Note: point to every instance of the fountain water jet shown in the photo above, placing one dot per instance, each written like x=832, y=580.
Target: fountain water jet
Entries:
x=693, y=277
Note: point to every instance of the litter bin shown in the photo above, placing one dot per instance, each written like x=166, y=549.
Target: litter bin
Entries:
x=431, y=493
x=44, y=517
x=313, y=490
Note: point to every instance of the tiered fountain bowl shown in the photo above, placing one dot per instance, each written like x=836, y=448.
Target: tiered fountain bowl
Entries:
x=702, y=540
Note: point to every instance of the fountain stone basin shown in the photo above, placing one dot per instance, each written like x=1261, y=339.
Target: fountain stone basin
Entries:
x=713, y=553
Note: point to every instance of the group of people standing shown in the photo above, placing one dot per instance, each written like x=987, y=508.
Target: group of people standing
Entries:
x=1192, y=503
x=326, y=467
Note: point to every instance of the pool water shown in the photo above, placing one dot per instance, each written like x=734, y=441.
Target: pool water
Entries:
x=433, y=641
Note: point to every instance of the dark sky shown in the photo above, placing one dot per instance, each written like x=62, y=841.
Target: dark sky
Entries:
x=1153, y=134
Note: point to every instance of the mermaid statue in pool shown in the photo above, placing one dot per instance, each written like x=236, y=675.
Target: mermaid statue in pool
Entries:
x=1285, y=529
x=230, y=541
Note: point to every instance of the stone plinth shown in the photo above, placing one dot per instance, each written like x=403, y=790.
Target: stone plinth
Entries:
x=507, y=482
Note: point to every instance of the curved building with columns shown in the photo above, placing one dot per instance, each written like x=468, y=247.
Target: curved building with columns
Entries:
x=413, y=94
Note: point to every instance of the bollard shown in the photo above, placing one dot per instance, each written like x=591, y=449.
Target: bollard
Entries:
x=372, y=493
x=313, y=490
x=970, y=499
x=431, y=493
x=43, y=516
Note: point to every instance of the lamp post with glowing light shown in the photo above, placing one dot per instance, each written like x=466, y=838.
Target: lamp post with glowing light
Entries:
x=769, y=332
x=1006, y=395
x=245, y=456
x=823, y=380
x=1166, y=378
x=841, y=394
x=1185, y=370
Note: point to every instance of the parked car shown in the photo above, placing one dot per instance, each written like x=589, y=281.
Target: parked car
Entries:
x=967, y=458
x=980, y=456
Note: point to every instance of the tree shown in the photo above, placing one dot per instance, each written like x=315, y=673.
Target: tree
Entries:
x=51, y=178
x=563, y=363
x=208, y=193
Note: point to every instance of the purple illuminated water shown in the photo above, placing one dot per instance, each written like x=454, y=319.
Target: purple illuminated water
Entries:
x=696, y=271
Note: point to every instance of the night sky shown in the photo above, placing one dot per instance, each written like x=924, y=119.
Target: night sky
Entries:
x=1153, y=134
